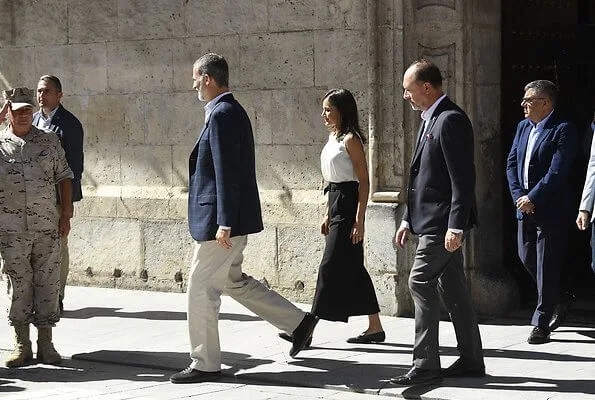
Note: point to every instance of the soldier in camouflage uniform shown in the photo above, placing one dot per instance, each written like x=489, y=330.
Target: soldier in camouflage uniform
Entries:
x=32, y=162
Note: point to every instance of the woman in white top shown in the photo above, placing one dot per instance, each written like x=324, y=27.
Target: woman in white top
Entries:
x=344, y=287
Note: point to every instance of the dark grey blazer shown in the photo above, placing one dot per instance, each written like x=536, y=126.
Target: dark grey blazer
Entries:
x=441, y=190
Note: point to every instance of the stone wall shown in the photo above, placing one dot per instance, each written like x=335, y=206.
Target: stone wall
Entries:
x=126, y=69
x=126, y=66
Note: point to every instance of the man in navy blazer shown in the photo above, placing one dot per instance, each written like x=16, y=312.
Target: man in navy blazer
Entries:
x=54, y=117
x=537, y=170
x=440, y=209
x=223, y=209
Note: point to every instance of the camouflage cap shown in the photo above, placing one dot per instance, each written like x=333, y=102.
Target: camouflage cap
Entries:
x=19, y=97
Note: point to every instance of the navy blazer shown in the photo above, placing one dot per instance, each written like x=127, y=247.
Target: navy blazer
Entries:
x=70, y=132
x=441, y=190
x=553, y=153
x=222, y=185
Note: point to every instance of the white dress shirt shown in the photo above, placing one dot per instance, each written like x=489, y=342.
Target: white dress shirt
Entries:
x=536, y=130
x=45, y=122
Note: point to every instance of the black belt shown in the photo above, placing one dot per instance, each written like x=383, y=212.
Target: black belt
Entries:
x=341, y=186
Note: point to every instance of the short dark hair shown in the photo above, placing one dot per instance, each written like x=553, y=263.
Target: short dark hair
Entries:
x=215, y=66
x=544, y=88
x=344, y=102
x=427, y=71
x=54, y=80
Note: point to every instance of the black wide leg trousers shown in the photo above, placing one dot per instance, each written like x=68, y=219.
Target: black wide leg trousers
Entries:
x=344, y=287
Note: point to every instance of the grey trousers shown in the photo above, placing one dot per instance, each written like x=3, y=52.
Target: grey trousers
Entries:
x=437, y=272
x=214, y=271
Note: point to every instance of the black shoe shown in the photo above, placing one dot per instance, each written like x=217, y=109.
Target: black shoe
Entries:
x=289, y=338
x=460, y=369
x=302, y=333
x=191, y=375
x=416, y=376
x=561, y=311
x=539, y=336
x=377, y=337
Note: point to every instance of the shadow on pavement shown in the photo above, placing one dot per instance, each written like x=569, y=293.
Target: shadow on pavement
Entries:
x=91, y=312
x=357, y=377
x=6, y=387
x=166, y=360
x=515, y=383
x=76, y=371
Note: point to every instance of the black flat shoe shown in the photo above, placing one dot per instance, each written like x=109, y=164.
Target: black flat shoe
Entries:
x=287, y=336
x=415, y=376
x=191, y=375
x=460, y=369
x=303, y=333
x=377, y=337
x=539, y=336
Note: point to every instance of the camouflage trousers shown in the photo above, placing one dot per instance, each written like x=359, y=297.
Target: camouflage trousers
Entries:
x=31, y=262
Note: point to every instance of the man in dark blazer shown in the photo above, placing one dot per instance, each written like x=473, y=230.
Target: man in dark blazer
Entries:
x=440, y=209
x=54, y=117
x=223, y=209
x=537, y=170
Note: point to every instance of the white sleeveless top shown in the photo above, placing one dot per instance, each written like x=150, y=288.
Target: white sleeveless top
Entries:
x=335, y=163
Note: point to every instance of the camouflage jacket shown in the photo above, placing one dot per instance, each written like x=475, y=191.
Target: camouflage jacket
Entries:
x=30, y=167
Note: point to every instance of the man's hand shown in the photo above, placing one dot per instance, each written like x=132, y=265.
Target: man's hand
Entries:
x=324, y=226
x=64, y=226
x=223, y=237
x=357, y=232
x=4, y=111
x=583, y=219
x=401, y=237
x=524, y=205
x=452, y=241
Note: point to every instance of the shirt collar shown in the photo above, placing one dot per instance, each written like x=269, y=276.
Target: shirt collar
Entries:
x=51, y=115
x=539, y=126
x=427, y=114
x=211, y=104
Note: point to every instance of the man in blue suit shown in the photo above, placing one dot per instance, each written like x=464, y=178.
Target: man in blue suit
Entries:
x=54, y=117
x=223, y=209
x=537, y=171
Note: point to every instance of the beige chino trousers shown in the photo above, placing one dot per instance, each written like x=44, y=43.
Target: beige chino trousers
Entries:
x=216, y=270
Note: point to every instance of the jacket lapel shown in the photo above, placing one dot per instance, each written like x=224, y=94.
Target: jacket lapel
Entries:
x=421, y=141
x=226, y=97
x=522, y=150
x=544, y=133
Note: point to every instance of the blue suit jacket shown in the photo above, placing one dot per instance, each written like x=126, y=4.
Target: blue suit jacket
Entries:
x=222, y=185
x=549, y=166
x=70, y=132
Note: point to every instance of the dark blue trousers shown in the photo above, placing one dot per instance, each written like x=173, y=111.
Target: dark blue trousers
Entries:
x=541, y=250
